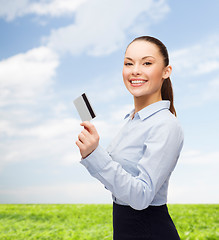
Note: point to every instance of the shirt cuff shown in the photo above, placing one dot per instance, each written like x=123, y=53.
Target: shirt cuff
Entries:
x=97, y=160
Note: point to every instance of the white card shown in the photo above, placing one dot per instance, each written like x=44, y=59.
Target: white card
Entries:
x=84, y=108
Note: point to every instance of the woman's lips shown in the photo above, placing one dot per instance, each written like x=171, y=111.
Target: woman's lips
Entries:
x=137, y=82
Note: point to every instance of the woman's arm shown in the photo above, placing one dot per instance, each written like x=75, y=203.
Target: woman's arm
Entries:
x=158, y=161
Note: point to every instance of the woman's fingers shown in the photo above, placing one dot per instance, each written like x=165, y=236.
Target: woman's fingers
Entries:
x=84, y=136
x=90, y=127
x=88, y=139
x=79, y=144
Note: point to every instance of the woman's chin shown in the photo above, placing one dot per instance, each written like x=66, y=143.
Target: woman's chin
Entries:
x=137, y=94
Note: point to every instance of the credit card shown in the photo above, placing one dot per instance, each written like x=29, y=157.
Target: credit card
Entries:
x=84, y=108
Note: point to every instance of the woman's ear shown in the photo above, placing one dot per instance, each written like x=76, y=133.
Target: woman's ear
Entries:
x=167, y=72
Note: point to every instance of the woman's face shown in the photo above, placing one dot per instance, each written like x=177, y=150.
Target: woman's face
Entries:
x=144, y=70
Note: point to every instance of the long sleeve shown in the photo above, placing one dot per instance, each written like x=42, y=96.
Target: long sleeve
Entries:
x=161, y=151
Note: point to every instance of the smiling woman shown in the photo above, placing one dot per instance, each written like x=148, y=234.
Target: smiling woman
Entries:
x=137, y=165
x=144, y=75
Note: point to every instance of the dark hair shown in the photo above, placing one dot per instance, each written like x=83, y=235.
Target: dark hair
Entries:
x=166, y=89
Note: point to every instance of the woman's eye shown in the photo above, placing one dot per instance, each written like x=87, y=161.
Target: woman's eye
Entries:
x=147, y=63
x=128, y=64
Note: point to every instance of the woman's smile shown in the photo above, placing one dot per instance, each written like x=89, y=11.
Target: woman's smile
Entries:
x=137, y=82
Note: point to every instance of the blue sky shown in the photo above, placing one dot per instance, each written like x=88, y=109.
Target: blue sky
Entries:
x=53, y=51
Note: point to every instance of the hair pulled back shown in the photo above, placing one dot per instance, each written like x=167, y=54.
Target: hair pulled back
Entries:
x=166, y=89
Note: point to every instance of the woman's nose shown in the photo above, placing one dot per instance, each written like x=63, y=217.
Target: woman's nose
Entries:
x=136, y=70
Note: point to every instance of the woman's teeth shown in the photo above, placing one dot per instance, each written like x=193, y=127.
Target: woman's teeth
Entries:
x=137, y=81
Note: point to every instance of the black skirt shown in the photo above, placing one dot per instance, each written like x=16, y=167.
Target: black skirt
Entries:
x=152, y=223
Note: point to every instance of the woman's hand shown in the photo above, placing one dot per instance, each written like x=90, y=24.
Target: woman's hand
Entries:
x=88, y=139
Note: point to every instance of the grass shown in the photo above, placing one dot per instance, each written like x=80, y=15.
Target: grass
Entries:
x=196, y=221
x=94, y=221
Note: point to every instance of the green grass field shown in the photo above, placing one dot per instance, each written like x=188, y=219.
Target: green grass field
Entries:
x=94, y=221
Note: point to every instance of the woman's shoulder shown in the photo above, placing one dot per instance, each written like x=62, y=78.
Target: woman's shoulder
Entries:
x=166, y=120
x=165, y=128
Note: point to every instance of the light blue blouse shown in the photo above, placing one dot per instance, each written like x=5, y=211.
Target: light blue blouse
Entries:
x=137, y=165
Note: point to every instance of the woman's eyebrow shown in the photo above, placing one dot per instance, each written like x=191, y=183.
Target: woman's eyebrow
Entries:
x=142, y=58
x=129, y=58
x=148, y=57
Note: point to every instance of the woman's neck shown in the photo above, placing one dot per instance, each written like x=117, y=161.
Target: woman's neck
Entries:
x=144, y=101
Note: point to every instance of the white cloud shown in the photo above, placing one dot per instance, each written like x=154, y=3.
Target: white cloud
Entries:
x=193, y=68
x=193, y=157
x=201, y=58
x=55, y=8
x=195, y=179
x=120, y=114
x=198, y=93
x=110, y=88
x=47, y=130
x=52, y=139
x=26, y=76
x=53, y=128
x=198, y=193
x=89, y=192
x=49, y=139
x=211, y=91
x=11, y=9
x=100, y=25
